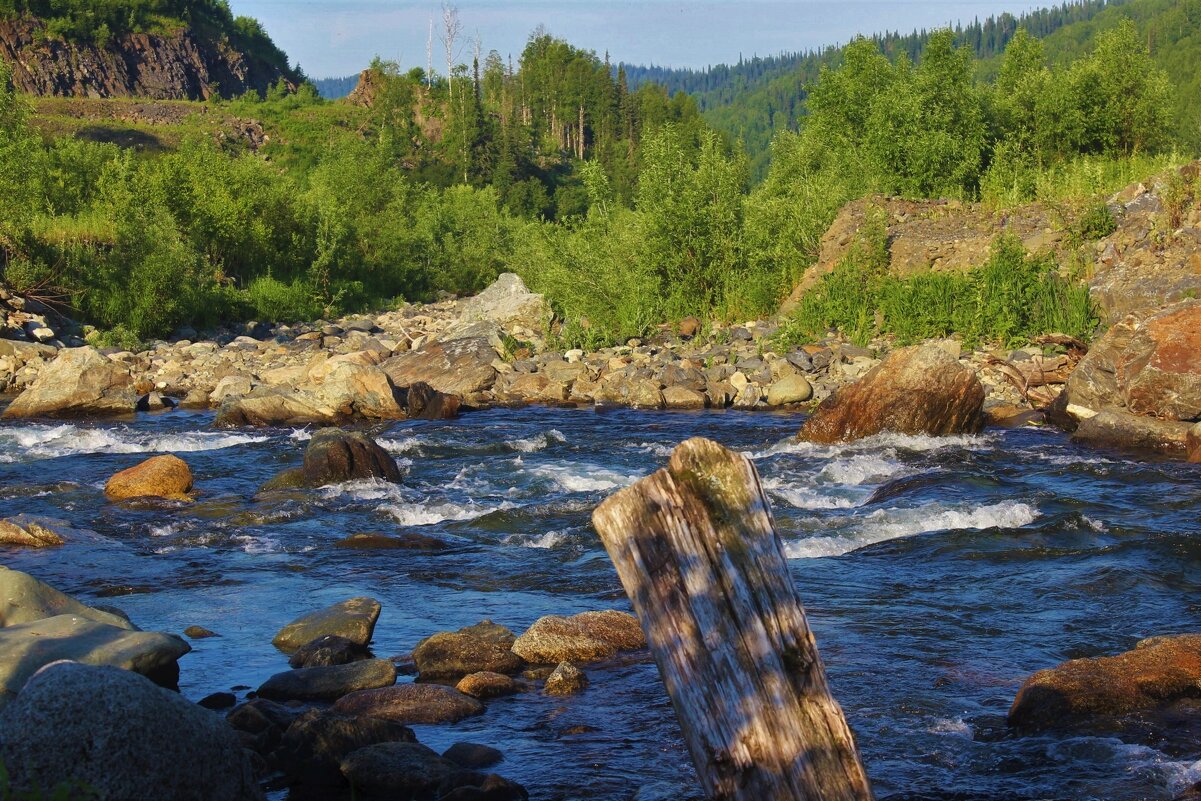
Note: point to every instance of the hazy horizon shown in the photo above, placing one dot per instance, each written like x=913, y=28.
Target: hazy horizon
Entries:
x=336, y=38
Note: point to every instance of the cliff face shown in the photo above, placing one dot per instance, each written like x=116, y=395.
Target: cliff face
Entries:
x=175, y=67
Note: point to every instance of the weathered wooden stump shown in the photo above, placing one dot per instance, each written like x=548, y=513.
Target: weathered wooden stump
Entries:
x=697, y=551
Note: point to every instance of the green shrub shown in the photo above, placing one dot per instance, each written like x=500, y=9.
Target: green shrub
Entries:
x=277, y=302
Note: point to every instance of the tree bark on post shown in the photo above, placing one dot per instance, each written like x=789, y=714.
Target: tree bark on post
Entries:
x=698, y=553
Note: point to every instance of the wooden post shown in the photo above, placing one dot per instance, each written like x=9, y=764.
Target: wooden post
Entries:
x=697, y=550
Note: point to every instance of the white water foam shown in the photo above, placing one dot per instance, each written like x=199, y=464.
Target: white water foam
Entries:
x=365, y=490
x=806, y=496
x=538, y=442
x=54, y=441
x=402, y=446
x=917, y=443
x=301, y=435
x=890, y=524
x=952, y=726
x=543, y=541
x=582, y=477
x=427, y=513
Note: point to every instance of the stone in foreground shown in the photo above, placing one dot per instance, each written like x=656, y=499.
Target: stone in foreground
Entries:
x=26, y=648
x=158, y=477
x=411, y=703
x=397, y=770
x=316, y=742
x=334, y=456
x=79, y=382
x=916, y=390
x=122, y=736
x=586, y=637
x=354, y=619
x=1157, y=672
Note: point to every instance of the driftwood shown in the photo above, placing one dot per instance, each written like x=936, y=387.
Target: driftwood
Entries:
x=698, y=553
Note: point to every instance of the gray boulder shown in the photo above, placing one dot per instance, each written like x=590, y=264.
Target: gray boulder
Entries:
x=354, y=619
x=26, y=648
x=509, y=304
x=328, y=683
x=122, y=736
x=80, y=381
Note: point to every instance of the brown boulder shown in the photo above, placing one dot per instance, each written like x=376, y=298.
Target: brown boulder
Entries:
x=461, y=367
x=353, y=620
x=586, y=637
x=916, y=390
x=27, y=533
x=313, y=747
x=80, y=381
x=1114, y=428
x=423, y=402
x=410, y=703
x=1160, y=373
x=485, y=685
x=334, y=456
x=158, y=477
x=1193, y=443
x=452, y=655
x=1156, y=673
x=567, y=679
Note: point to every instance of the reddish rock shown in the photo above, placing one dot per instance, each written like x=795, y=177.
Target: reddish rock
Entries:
x=1193, y=443
x=423, y=402
x=1160, y=372
x=586, y=637
x=410, y=703
x=916, y=390
x=157, y=477
x=1157, y=672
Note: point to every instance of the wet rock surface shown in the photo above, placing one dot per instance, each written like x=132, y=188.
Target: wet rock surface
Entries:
x=353, y=620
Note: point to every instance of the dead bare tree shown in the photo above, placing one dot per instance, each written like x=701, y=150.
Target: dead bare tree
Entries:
x=452, y=28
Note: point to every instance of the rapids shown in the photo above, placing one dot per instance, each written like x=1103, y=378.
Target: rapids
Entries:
x=937, y=574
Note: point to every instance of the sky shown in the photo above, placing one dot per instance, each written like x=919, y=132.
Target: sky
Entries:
x=336, y=38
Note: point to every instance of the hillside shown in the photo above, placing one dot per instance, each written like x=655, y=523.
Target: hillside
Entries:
x=162, y=50
x=759, y=97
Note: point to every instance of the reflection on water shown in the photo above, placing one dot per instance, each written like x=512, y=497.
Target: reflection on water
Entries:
x=938, y=574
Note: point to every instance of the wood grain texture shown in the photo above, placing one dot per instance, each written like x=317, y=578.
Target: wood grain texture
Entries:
x=697, y=551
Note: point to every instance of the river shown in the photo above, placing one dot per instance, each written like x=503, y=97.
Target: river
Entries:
x=937, y=574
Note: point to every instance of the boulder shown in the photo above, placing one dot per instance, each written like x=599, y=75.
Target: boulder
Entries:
x=334, y=456
x=329, y=649
x=788, y=390
x=274, y=407
x=352, y=389
x=683, y=398
x=24, y=599
x=1193, y=443
x=423, y=402
x=121, y=736
x=582, y=638
x=26, y=648
x=80, y=381
x=411, y=703
x=478, y=787
x=1114, y=428
x=508, y=303
x=354, y=619
x=27, y=533
x=567, y=679
x=328, y=682
x=397, y=770
x=158, y=477
x=473, y=756
x=1147, y=364
x=916, y=390
x=312, y=749
x=452, y=655
x=1156, y=673
x=462, y=367
x=199, y=633
x=485, y=685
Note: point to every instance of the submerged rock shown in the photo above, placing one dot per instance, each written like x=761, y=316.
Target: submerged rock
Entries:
x=917, y=390
x=354, y=619
x=26, y=648
x=582, y=638
x=79, y=382
x=121, y=736
x=452, y=655
x=411, y=703
x=28, y=533
x=1158, y=671
x=328, y=682
x=473, y=755
x=164, y=476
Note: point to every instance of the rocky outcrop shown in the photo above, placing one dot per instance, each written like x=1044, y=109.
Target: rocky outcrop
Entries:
x=461, y=367
x=180, y=66
x=916, y=390
x=80, y=381
x=165, y=476
x=1148, y=365
x=586, y=637
x=353, y=620
x=1157, y=672
x=510, y=305
x=411, y=703
x=120, y=736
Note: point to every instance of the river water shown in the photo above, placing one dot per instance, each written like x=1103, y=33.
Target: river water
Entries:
x=937, y=575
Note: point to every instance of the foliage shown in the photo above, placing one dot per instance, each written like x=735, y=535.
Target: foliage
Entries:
x=1008, y=300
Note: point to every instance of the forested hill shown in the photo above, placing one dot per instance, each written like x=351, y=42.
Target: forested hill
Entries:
x=159, y=49
x=758, y=97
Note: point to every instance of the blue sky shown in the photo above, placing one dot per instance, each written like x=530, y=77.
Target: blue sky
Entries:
x=333, y=38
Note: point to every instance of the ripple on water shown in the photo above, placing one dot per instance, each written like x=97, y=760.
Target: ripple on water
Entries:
x=39, y=441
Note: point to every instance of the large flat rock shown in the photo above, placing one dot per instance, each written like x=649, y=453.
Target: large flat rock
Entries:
x=79, y=382
x=24, y=599
x=461, y=367
x=28, y=647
